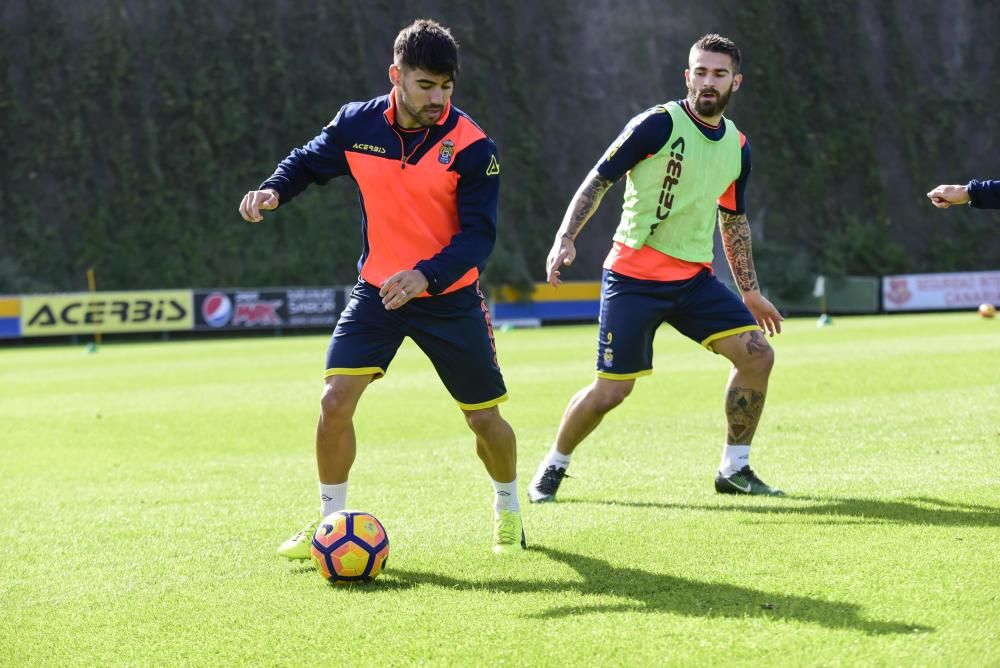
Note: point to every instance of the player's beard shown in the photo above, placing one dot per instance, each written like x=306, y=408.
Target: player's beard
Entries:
x=423, y=115
x=709, y=107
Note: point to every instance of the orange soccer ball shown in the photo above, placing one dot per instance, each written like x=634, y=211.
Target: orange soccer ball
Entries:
x=987, y=310
x=350, y=546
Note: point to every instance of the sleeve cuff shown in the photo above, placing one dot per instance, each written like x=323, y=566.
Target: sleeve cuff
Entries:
x=269, y=185
x=434, y=286
x=972, y=188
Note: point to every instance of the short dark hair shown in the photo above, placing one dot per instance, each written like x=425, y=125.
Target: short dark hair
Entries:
x=427, y=45
x=718, y=44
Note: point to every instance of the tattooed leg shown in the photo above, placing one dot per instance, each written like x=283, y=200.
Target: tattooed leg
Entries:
x=743, y=408
x=752, y=358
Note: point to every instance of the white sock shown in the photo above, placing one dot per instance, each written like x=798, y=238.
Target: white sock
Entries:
x=332, y=498
x=734, y=457
x=506, y=496
x=555, y=458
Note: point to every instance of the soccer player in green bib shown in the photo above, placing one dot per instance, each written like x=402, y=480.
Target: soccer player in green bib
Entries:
x=685, y=165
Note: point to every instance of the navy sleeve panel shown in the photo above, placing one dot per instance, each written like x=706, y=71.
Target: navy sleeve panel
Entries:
x=478, y=200
x=739, y=203
x=642, y=137
x=317, y=162
x=984, y=194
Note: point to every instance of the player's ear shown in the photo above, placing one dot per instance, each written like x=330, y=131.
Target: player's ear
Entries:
x=395, y=74
x=737, y=81
x=687, y=76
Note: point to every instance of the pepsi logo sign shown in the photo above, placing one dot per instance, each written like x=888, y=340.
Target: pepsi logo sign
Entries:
x=217, y=309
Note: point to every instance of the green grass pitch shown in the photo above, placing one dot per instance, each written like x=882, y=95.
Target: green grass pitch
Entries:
x=144, y=489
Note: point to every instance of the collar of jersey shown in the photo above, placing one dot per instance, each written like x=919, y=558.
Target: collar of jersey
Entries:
x=684, y=105
x=712, y=133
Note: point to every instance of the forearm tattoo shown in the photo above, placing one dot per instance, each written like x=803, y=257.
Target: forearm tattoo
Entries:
x=584, y=204
x=743, y=408
x=735, y=230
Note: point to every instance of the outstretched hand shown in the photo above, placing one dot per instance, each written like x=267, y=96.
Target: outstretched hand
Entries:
x=944, y=196
x=767, y=316
x=562, y=255
x=255, y=201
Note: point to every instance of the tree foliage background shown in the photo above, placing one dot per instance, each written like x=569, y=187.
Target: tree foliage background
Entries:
x=130, y=129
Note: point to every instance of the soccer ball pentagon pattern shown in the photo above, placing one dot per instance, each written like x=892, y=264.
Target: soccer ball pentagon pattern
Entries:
x=350, y=546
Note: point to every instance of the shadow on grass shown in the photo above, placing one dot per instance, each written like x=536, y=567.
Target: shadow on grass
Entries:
x=902, y=511
x=655, y=592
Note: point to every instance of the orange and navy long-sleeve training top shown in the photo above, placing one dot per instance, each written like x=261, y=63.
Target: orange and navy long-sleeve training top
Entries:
x=984, y=194
x=429, y=196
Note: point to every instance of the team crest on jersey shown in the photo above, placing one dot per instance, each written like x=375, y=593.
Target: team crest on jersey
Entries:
x=446, y=152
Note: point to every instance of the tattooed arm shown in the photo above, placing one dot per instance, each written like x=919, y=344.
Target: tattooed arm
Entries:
x=581, y=208
x=735, y=231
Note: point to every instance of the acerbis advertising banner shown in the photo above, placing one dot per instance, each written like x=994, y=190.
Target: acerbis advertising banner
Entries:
x=930, y=292
x=268, y=308
x=106, y=312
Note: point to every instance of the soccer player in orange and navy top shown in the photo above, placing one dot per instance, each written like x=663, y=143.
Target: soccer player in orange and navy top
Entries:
x=428, y=179
x=685, y=165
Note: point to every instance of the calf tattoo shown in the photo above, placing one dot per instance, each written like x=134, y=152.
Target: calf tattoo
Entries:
x=743, y=409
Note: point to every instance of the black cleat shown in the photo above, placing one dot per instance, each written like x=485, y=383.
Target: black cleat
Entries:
x=545, y=484
x=744, y=481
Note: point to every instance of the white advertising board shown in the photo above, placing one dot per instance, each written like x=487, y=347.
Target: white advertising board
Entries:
x=930, y=292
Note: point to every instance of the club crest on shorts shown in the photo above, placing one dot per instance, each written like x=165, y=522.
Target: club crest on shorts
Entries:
x=446, y=152
x=609, y=357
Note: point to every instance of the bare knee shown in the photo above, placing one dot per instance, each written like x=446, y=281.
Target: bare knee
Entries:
x=605, y=395
x=484, y=421
x=337, y=405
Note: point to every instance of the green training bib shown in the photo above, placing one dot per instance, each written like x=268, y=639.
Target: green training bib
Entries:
x=671, y=197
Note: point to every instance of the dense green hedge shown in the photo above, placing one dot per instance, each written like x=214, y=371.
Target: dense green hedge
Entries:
x=130, y=130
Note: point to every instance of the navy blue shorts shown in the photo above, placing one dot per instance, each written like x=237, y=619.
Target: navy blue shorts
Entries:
x=701, y=308
x=453, y=330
